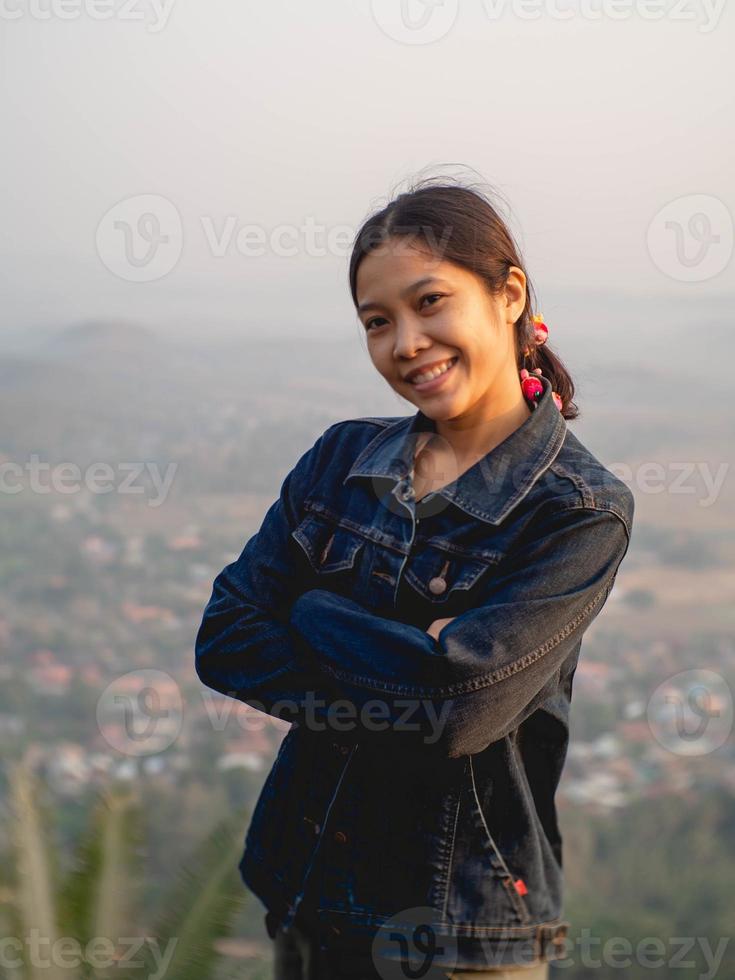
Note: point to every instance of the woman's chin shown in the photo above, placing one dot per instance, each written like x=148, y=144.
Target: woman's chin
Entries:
x=439, y=409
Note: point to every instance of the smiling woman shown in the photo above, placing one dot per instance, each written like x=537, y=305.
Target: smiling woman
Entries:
x=466, y=302
x=414, y=602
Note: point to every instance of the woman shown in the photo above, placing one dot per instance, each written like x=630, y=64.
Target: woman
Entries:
x=414, y=603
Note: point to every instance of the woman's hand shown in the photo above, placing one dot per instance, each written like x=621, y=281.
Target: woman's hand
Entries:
x=437, y=626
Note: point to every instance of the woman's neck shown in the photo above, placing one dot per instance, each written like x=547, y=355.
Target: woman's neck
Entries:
x=470, y=439
x=441, y=457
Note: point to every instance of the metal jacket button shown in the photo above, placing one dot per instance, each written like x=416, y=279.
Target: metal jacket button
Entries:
x=438, y=585
x=340, y=837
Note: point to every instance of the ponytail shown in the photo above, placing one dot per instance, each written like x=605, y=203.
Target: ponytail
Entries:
x=541, y=356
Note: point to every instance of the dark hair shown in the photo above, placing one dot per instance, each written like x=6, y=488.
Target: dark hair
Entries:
x=461, y=225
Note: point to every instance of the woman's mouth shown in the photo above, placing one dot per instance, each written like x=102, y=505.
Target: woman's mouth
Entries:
x=431, y=381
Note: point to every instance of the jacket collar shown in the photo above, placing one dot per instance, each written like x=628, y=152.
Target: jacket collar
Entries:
x=494, y=485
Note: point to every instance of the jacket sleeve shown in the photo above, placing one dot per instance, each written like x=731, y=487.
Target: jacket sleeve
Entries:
x=244, y=646
x=492, y=666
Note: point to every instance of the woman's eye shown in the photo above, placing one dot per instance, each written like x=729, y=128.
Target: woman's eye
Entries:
x=431, y=295
x=375, y=319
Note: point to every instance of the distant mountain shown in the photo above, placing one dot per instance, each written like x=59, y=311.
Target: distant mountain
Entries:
x=99, y=336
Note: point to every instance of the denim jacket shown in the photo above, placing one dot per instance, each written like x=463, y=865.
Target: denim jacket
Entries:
x=418, y=775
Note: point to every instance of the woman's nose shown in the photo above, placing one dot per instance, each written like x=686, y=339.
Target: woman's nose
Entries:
x=409, y=338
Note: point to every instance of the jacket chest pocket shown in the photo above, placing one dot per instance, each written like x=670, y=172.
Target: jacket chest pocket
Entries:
x=442, y=577
x=329, y=547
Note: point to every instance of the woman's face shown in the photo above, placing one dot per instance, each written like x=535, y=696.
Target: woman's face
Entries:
x=419, y=312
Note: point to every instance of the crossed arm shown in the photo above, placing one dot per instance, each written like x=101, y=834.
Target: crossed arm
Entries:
x=307, y=655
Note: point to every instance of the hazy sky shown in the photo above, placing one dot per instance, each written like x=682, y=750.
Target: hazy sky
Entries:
x=606, y=126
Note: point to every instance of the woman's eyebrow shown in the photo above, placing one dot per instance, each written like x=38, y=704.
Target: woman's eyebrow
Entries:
x=370, y=304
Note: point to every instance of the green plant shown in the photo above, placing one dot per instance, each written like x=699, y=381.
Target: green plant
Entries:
x=85, y=922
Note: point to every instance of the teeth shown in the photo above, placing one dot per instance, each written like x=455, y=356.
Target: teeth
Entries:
x=434, y=373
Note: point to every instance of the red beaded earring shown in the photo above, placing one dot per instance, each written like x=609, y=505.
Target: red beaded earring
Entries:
x=531, y=386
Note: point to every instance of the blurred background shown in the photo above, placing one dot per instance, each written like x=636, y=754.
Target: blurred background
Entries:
x=181, y=183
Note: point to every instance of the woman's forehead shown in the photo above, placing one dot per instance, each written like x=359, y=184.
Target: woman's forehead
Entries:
x=387, y=271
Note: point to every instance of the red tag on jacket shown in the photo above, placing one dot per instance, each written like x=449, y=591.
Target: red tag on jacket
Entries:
x=520, y=886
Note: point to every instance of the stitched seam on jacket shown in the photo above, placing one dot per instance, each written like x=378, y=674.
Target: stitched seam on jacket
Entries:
x=314, y=506
x=382, y=423
x=374, y=444
x=577, y=481
x=448, y=876
x=298, y=898
x=484, y=680
x=367, y=533
x=515, y=898
x=550, y=454
x=608, y=508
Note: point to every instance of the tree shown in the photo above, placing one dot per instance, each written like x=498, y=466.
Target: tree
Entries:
x=91, y=908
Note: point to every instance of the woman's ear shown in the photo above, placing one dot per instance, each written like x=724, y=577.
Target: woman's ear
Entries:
x=515, y=293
